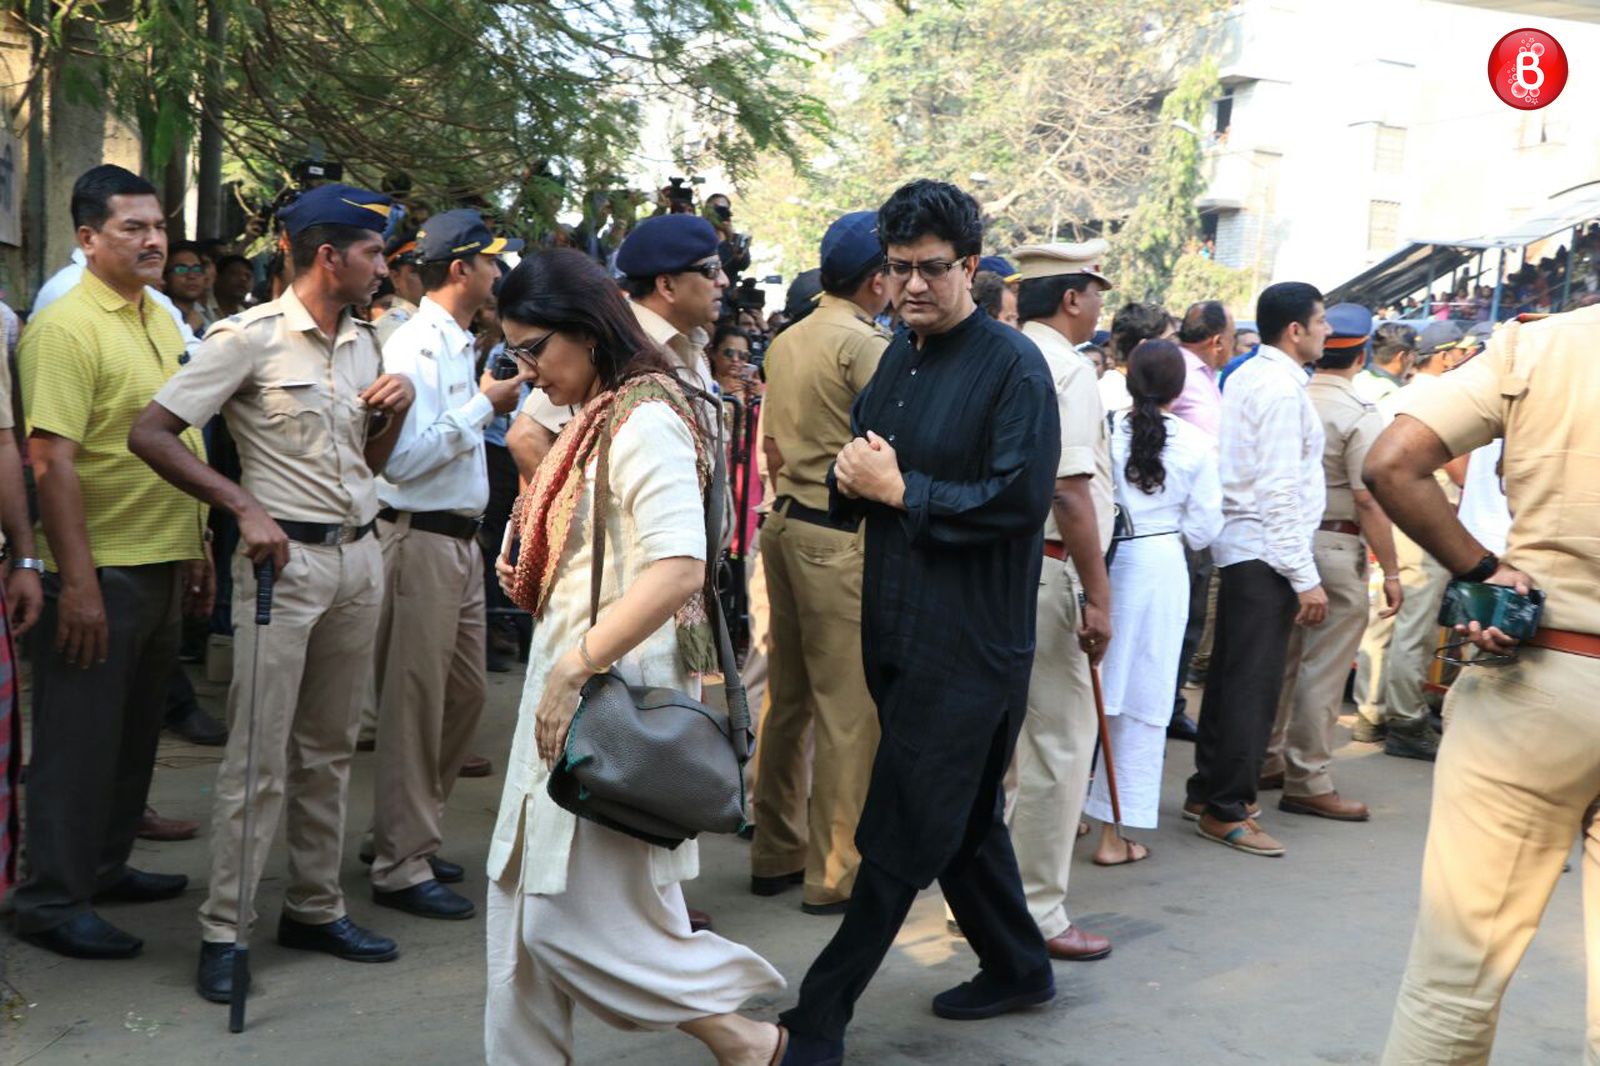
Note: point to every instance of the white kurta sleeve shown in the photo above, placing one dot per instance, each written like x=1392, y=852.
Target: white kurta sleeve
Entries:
x=1202, y=511
x=654, y=481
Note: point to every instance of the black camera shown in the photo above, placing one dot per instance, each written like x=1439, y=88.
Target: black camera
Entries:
x=748, y=297
x=680, y=195
x=504, y=367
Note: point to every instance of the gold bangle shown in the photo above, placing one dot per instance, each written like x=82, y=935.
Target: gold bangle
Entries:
x=588, y=661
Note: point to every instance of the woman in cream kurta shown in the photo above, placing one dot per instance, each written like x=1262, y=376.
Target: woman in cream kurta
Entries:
x=581, y=915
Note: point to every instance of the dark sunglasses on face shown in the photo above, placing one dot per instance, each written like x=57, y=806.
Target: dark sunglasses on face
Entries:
x=733, y=353
x=930, y=269
x=184, y=269
x=529, y=353
x=709, y=271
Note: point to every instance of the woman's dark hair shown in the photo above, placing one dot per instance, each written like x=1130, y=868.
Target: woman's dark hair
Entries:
x=924, y=208
x=1155, y=378
x=1283, y=303
x=563, y=289
x=1134, y=323
x=727, y=328
x=1040, y=297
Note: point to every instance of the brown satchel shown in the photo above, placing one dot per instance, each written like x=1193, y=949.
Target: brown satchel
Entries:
x=652, y=762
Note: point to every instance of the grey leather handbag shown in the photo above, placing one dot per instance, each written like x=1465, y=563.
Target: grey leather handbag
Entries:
x=652, y=762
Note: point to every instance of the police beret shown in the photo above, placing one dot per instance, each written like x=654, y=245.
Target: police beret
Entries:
x=995, y=264
x=850, y=245
x=1439, y=336
x=336, y=205
x=1352, y=325
x=666, y=244
x=453, y=234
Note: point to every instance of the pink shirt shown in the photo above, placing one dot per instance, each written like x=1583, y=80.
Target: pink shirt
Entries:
x=1200, y=402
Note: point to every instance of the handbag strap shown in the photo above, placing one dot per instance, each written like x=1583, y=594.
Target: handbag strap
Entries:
x=738, y=703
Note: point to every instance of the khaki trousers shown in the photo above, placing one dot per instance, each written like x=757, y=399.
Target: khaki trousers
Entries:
x=431, y=685
x=756, y=661
x=816, y=686
x=1395, y=652
x=1316, y=667
x=315, y=658
x=1055, y=753
x=1518, y=778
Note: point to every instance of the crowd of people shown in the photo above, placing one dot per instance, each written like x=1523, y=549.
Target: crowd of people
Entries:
x=981, y=546
x=1563, y=281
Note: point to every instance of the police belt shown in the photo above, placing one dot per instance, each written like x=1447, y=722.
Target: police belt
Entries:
x=789, y=507
x=1573, y=643
x=324, y=533
x=1340, y=525
x=445, y=523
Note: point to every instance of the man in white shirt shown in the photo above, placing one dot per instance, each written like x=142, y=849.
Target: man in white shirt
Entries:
x=430, y=656
x=1272, y=502
x=62, y=281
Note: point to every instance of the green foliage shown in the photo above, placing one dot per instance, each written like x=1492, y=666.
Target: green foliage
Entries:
x=1193, y=277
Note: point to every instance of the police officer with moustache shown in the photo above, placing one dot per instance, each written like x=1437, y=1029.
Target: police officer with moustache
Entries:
x=1518, y=776
x=430, y=653
x=1318, y=659
x=301, y=384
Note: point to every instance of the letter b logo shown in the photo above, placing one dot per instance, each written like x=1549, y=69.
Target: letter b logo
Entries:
x=1528, y=69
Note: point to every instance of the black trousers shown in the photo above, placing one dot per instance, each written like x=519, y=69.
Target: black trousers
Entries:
x=1255, y=611
x=503, y=486
x=984, y=890
x=1199, y=584
x=94, y=742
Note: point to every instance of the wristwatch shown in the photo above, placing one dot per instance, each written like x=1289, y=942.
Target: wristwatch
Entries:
x=1483, y=571
x=36, y=565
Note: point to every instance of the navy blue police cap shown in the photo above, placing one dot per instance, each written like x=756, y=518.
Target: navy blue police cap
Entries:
x=998, y=265
x=462, y=232
x=336, y=205
x=850, y=246
x=1438, y=336
x=1352, y=325
x=666, y=244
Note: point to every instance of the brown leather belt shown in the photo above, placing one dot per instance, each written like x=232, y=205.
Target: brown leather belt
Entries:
x=1585, y=644
x=1341, y=525
x=1054, y=549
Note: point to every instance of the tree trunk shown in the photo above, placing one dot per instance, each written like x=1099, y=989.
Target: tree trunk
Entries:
x=208, y=221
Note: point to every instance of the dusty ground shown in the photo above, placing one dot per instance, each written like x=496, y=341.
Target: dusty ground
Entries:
x=1220, y=958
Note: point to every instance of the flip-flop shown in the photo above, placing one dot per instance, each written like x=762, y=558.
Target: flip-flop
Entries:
x=783, y=1046
x=1083, y=829
x=1130, y=859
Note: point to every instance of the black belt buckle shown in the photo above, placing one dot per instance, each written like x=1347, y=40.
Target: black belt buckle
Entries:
x=793, y=508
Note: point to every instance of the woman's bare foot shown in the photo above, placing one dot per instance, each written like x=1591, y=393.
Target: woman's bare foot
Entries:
x=1117, y=851
x=734, y=1039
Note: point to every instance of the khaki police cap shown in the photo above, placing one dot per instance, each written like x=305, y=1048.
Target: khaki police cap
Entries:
x=1055, y=260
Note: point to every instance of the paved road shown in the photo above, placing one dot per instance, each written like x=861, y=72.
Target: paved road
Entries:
x=1220, y=958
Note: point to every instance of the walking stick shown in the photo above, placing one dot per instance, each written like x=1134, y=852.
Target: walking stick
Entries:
x=1105, y=748
x=241, y=928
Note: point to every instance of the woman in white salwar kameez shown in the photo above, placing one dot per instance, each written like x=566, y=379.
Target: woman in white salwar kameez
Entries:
x=578, y=914
x=1166, y=477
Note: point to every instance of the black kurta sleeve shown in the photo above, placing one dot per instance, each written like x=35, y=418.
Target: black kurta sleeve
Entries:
x=1012, y=497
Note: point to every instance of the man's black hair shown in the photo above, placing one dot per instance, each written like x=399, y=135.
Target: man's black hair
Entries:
x=1340, y=358
x=1283, y=303
x=1040, y=297
x=227, y=261
x=925, y=208
x=638, y=288
x=1390, y=339
x=435, y=274
x=989, y=292
x=184, y=246
x=92, y=193
x=846, y=287
x=1203, y=320
x=1136, y=322
x=303, y=247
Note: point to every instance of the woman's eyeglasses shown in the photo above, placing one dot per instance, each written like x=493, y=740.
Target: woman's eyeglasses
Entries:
x=930, y=269
x=529, y=353
x=733, y=353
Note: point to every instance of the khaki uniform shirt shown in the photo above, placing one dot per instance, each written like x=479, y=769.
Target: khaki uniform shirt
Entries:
x=290, y=398
x=815, y=369
x=1085, y=445
x=688, y=350
x=399, y=313
x=1537, y=386
x=1349, y=427
x=6, y=422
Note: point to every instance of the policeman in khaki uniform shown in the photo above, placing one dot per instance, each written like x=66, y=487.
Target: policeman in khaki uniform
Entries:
x=1518, y=774
x=1318, y=659
x=813, y=572
x=430, y=651
x=300, y=382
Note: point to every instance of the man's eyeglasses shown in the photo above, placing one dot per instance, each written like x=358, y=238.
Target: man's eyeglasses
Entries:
x=930, y=269
x=186, y=269
x=709, y=271
x=529, y=353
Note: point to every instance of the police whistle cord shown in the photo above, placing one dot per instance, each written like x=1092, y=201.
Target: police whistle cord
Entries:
x=265, y=576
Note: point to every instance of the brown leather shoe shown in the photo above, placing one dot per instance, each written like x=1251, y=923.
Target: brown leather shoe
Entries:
x=1193, y=811
x=1327, y=805
x=1243, y=836
x=1077, y=945
x=1269, y=783
x=154, y=827
x=476, y=766
x=698, y=920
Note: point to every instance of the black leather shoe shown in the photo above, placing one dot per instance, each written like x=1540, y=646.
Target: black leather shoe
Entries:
x=342, y=939
x=88, y=936
x=429, y=899
x=806, y=1050
x=444, y=871
x=1182, y=727
x=197, y=727
x=214, y=980
x=838, y=906
x=137, y=886
x=985, y=997
x=772, y=886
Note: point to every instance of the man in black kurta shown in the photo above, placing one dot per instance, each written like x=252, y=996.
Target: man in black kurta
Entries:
x=953, y=470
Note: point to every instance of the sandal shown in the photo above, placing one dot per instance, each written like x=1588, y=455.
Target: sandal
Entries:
x=1143, y=854
x=1083, y=829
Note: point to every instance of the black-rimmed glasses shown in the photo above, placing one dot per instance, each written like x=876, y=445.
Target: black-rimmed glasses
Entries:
x=930, y=269
x=529, y=353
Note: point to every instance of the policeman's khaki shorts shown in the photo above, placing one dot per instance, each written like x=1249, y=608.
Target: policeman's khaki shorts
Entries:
x=1517, y=781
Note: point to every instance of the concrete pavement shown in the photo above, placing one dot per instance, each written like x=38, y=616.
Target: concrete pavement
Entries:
x=1220, y=957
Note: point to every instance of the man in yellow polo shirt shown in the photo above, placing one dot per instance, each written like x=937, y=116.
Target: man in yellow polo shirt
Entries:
x=124, y=554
